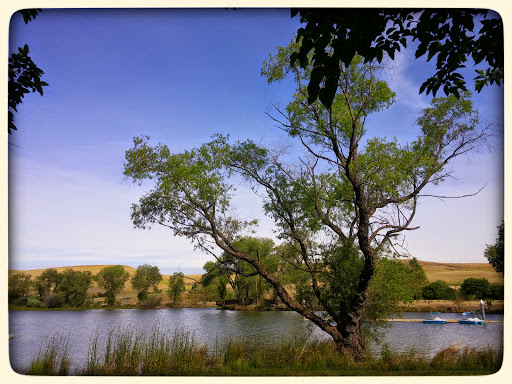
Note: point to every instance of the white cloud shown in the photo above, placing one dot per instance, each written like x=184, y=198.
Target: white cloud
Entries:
x=399, y=76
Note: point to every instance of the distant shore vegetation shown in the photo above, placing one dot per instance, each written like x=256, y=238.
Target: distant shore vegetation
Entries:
x=448, y=288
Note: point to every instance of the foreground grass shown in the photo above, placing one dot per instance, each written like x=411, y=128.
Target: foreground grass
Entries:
x=129, y=353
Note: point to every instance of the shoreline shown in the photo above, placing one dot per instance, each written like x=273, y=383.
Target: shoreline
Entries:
x=420, y=306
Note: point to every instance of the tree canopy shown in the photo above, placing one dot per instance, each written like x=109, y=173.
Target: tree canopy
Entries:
x=18, y=287
x=339, y=207
x=176, y=287
x=73, y=286
x=495, y=253
x=145, y=277
x=332, y=37
x=112, y=280
x=24, y=74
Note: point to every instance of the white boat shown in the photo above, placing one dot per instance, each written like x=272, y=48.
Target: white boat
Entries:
x=437, y=319
x=471, y=318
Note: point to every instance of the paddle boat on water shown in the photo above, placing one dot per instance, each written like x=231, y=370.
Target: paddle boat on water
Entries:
x=471, y=318
x=435, y=320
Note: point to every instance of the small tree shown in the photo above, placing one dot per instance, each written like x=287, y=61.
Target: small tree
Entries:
x=418, y=278
x=176, y=287
x=144, y=278
x=18, y=287
x=112, y=280
x=496, y=253
x=475, y=288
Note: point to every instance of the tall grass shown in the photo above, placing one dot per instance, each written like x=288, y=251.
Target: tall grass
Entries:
x=131, y=353
x=126, y=352
x=52, y=361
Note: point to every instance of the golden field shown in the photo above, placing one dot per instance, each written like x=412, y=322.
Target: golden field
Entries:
x=455, y=273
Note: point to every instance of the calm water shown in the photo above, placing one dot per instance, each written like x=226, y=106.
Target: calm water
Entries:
x=32, y=329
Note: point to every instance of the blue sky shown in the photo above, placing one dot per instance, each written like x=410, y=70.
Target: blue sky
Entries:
x=180, y=76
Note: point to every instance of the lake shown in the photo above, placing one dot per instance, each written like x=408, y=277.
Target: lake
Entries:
x=32, y=329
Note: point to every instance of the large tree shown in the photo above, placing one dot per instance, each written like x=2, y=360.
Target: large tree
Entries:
x=112, y=280
x=339, y=207
x=452, y=36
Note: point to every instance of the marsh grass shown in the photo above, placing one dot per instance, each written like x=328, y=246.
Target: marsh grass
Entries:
x=52, y=361
x=154, y=353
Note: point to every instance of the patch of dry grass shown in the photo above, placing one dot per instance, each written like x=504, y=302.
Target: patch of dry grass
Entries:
x=456, y=273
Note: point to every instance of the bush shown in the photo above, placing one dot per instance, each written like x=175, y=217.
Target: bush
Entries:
x=56, y=300
x=20, y=302
x=438, y=290
x=150, y=302
x=34, y=302
x=496, y=291
x=142, y=296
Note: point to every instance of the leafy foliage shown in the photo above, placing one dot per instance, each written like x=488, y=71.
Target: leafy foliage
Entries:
x=496, y=253
x=18, y=287
x=176, y=287
x=144, y=278
x=418, y=278
x=47, y=281
x=437, y=290
x=112, y=280
x=336, y=36
x=475, y=288
x=337, y=210
x=73, y=286
x=24, y=74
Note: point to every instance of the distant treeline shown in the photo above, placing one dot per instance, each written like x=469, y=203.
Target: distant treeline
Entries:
x=53, y=289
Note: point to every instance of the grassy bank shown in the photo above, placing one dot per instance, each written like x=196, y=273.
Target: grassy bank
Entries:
x=128, y=353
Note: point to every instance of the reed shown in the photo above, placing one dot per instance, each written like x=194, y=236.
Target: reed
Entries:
x=53, y=360
x=154, y=353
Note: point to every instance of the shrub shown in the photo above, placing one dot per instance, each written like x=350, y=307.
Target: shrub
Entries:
x=438, y=290
x=496, y=291
x=56, y=300
x=150, y=302
x=34, y=301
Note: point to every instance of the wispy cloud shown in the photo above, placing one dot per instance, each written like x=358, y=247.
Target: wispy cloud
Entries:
x=400, y=75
